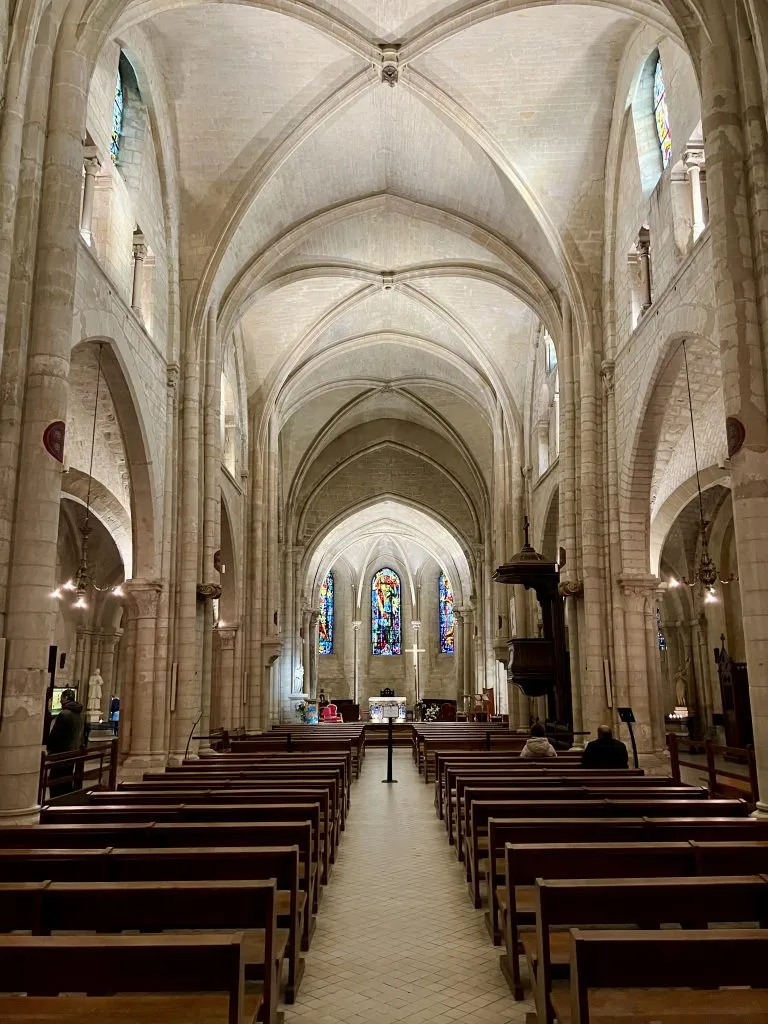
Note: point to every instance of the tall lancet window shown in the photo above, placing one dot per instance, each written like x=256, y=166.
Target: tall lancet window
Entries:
x=661, y=113
x=445, y=599
x=385, y=612
x=325, y=621
x=117, y=119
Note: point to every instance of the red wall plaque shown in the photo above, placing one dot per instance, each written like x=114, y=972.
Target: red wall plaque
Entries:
x=53, y=439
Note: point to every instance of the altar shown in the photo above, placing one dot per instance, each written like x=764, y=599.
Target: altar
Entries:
x=376, y=706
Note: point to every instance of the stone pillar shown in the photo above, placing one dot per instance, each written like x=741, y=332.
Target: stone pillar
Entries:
x=733, y=123
x=225, y=703
x=542, y=444
x=416, y=626
x=356, y=624
x=694, y=159
x=644, y=684
x=78, y=669
x=314, y=617
x=643, y=245
x=458, y=632
x=141, y=611
x=92, y=166
x=139, y=255
x=468, y=651
x=109, y=643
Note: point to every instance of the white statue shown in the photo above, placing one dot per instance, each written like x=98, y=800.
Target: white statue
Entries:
x=298, y=679
x=95, y=689
x=681, y=697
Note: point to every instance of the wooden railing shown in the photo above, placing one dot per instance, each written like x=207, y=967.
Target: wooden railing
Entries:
x=721, y=781
x=91, y=768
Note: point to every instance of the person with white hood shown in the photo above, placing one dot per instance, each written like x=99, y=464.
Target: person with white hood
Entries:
x=537, y=744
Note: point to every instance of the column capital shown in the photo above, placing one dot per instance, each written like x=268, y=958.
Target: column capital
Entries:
x=143, y=596
x=638, y=585
x=227, y=637
x=139, y=246
x=91, y=162
x=172, y=372
x=694, y=156
x=356, y=624
x=643, y=243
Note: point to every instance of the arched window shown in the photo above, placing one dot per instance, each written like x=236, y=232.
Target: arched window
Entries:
x=385, y=612
x=550, y=353
x=325, y=621
x=117, y=118
x=447, y=632
x=661, y=113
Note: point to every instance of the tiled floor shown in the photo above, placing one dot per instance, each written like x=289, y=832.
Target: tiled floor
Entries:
x=397, y=938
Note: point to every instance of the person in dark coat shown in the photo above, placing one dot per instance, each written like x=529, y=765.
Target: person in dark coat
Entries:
x=67, y=734
x=605, y=751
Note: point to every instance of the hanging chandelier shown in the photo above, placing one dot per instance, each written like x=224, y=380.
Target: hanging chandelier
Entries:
x=707, y=573
x=83, y=584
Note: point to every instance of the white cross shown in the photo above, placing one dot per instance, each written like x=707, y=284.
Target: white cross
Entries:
x=415, y=651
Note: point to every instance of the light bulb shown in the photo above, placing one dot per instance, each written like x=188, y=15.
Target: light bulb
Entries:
x=80, y=602
x=711, y=597
x=69, y=585
x=673, y=582
x=118, y=591
x=57, y=593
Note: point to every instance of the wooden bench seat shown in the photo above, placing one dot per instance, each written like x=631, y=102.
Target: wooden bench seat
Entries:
x=179, y=865
x=481, y=811
x=130, y=979
x=668, y=977
x=692, y=902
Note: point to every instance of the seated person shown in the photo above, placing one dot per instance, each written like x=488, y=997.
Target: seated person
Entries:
x=605, y=751
x=537, y=744
x=322, y=700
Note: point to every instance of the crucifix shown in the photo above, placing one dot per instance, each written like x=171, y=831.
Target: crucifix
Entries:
x=416, y=651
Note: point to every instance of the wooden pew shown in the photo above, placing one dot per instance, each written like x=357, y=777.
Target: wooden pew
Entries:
x=296, y=771
x=249, y=907
x=168, y=978
x=525, y=862
x=275, y=836
x=193, y=796
x=649, y=903
x=574, y=831
x=638, y=976
x=211, y=815
x=175, y=866
x=719, y=858
x=468, y=792
x=481, y=811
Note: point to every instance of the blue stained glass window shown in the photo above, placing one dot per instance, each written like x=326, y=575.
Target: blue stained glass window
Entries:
x=117, y=120
x=325, y=622
x=661, y=114
x=385, y=612
x=447, y=633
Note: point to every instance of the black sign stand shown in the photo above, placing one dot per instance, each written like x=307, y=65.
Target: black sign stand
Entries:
x=627, y=716
x=389, y=778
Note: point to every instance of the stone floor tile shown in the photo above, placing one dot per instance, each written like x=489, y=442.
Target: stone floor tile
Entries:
x=397, y=940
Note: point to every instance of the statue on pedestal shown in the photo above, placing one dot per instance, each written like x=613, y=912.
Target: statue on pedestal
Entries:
x=681, y=696
x=95, y=690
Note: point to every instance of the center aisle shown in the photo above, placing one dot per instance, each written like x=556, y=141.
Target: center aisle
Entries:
x=397, y=938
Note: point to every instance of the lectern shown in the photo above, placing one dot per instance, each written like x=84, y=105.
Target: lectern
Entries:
x=389, y=711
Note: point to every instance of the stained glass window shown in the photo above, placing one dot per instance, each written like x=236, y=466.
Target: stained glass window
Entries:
x=117, y=119
x=662, y=114
x=385, y=612
x=325, y=621
x=447, y=634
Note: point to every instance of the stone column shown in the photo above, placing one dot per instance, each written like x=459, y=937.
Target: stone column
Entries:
x=416, y=626
x=694, y=159
x=733, y=123
x=92, y=166
x=109, y=643
x=313, y=621
x=141, y=611
x=78, y=668
x=458, y=632
x=356, y=624
x=643, y=678
x=225, y=703
x=542, y=444
x=305, y=643
x=139, y=255
x=643, y=245
x=468, y=651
